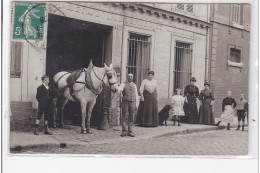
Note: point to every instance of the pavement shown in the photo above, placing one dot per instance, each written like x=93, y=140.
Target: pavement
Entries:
x=71, y=136
x=214, y=142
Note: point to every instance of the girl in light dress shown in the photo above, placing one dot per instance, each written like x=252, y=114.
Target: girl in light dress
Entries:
x=177, y=103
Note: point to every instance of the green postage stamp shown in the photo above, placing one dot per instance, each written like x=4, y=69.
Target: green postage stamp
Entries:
x=28, y=21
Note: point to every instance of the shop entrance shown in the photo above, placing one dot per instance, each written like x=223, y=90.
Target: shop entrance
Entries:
x=71, y=43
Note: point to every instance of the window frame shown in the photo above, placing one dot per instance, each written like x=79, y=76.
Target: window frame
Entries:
x=190, y=72
x=232, y=63
x=148, y=67
x=233, y=15
x=185, y=9
x=240, y=23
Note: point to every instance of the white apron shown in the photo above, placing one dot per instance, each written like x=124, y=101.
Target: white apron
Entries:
x=228, y=115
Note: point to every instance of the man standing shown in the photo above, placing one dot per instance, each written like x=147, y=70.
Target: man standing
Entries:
x=130, y=101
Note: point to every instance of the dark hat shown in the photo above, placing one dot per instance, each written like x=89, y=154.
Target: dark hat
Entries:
x=151, y=72
x=193, y=79
x=206, y=83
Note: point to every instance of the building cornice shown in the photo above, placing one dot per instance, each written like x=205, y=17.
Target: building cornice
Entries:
x=164, y=14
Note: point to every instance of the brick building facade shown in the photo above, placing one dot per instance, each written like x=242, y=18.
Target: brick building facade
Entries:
x=229, y=51
x=172, y=38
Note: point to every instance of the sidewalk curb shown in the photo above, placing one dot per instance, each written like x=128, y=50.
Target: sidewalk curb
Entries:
x=168, y=132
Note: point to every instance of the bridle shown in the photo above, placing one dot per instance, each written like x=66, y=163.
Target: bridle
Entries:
x=109, y=76
x=106, y=74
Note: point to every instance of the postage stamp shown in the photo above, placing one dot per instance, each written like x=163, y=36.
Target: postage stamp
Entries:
x=28, y=21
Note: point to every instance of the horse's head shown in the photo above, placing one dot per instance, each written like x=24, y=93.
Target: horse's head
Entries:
x=110, y=79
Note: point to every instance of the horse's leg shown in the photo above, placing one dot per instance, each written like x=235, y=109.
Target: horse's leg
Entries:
x=61, y=123
x=83, y=116
x=90, y=108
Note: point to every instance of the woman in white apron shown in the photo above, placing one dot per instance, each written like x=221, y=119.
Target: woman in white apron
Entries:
x=228, y=105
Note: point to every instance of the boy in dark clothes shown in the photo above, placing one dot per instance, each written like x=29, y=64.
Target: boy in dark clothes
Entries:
x=43, y=96
x=242, y=107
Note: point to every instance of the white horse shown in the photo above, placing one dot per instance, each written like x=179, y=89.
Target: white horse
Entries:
x=83, y=92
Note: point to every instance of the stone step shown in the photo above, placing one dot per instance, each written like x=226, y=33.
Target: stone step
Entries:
x=23, y=117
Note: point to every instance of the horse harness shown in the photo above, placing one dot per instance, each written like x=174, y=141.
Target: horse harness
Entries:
x=88, y=83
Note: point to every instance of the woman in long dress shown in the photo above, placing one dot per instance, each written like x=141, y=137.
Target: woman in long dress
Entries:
x=191, y=94
x=206, y=97
x=148, y=109
x=228, y=105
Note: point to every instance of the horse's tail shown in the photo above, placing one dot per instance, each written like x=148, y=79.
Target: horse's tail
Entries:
x=54, y=87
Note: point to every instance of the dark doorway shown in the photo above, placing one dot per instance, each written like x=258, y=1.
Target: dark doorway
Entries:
x=71, y=43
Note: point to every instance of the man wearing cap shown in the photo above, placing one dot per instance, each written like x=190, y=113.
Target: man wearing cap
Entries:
x=130, y=101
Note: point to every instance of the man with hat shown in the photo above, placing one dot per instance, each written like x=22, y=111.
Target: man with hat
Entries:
x=191, y=93
x=130, y=101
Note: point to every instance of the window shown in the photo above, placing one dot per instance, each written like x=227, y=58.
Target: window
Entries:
x=16, y=54
x=236, y=13
x=138, y=56
x=235, y=55
x=180, y=6
x=185, y=7
x=182, y=65
x=190, y=8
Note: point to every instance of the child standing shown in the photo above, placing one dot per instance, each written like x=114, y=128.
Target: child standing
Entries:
x=228, y=105
x=241, y=111
x=177, y=103
x=43, y=96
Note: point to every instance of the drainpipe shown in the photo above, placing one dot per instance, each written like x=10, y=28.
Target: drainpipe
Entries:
x=170, y=65
x=121, y=76
x=207, y=55
x=122, y=40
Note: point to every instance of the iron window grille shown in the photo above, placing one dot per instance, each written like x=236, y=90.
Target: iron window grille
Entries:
x=182, y=65
x=139, y=47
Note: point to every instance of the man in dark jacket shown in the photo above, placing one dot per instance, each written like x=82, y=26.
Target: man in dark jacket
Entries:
x=43, y=96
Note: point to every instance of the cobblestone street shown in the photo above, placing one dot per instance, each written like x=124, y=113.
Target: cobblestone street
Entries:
x=217, y=142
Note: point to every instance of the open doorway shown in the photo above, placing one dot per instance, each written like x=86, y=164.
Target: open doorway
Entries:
x=71, y=43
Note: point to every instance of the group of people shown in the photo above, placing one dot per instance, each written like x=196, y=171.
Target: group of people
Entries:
x=183, y=108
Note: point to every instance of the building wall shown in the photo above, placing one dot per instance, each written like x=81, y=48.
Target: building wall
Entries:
x=223, y=76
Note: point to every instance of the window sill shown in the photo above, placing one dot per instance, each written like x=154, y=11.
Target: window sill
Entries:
x=236, y=25
x=13, y=76
x=235, y=64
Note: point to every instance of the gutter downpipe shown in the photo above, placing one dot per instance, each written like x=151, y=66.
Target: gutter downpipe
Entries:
x=207, y=55
x=121, y=76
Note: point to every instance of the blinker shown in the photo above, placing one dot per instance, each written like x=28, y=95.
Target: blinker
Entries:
x=109, y=75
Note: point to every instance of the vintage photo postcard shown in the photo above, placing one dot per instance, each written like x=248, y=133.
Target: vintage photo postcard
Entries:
x=130, y=78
